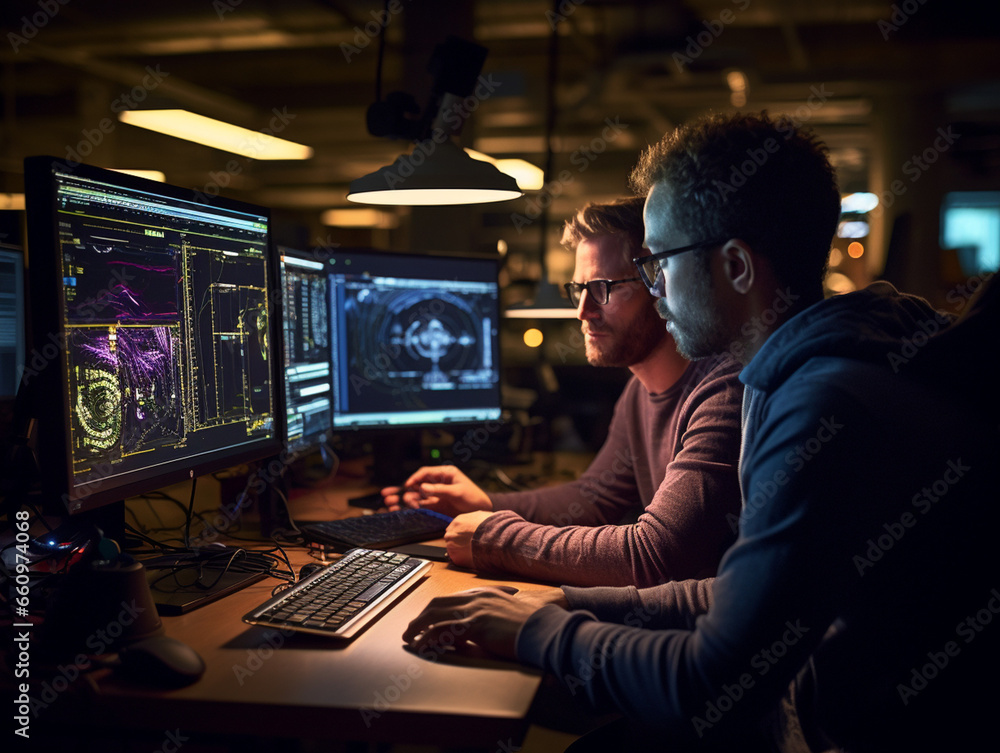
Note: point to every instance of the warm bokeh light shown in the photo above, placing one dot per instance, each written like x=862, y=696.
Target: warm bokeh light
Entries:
x=855, y=250
x=839, y=283
x=533, y=337
x=373, y=218
x=190, y=126
x=11, y=201
x=836, y=257
x=156, y=175
x=501, y=247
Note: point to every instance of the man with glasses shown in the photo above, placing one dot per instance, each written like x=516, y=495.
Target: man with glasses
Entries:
x=669, y=460
x=856, y=610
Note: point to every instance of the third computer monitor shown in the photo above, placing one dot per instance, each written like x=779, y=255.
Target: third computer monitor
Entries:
x=306, y=343
x=414, y=340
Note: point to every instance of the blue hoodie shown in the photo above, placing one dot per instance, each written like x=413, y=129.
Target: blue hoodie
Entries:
x=863, y=581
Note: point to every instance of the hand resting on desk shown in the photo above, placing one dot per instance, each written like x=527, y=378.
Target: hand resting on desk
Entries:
x=443, y=488
x=488, y=618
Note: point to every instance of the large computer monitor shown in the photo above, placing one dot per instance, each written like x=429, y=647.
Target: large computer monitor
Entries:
x=306, y=346
x=415, y=340
x=155, y=315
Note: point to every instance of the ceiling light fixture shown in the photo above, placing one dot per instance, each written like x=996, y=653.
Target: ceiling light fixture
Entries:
x=437, y=172
x=217, y=134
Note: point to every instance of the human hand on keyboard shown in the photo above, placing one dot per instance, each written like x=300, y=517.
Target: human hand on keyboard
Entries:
x=443, y=488
x=489, y=618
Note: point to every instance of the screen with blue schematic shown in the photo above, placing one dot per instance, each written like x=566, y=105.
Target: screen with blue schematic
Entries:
x=415, y=339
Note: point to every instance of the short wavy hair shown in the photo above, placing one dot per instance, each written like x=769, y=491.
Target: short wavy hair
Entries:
x=766, y=181
x=621, y=218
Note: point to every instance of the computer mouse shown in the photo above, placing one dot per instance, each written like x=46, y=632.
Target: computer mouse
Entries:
x=308, y=569
x=161, y=661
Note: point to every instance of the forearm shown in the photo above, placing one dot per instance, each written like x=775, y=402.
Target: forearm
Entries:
x=562, y=505
x=681, y=535
x=672, y=605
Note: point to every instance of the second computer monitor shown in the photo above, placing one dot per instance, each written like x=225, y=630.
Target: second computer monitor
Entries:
x=306, y=341
x=415, y=340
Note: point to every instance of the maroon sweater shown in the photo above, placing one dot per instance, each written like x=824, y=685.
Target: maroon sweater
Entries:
x=674, y=454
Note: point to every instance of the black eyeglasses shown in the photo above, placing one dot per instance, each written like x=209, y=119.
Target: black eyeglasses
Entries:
x=651, y=271
x=600, y=290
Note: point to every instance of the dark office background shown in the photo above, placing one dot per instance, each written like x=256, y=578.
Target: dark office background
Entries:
x=906, y=94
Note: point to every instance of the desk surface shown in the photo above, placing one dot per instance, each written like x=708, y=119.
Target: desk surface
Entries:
x=265, y=682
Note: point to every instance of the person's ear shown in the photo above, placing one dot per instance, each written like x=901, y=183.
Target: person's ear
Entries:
x=738, y=265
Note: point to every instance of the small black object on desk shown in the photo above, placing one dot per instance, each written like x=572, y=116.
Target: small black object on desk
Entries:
x=161, y=661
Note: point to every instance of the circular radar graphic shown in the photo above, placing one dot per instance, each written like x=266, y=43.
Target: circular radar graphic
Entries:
x=99, y=408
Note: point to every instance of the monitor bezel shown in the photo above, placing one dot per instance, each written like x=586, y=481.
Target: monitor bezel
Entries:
x=47, y=336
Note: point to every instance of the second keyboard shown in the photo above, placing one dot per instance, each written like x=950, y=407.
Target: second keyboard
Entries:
x=378, y=531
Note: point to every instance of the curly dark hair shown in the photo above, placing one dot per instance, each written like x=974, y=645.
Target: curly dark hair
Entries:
x=766, y=181
x=622, y=217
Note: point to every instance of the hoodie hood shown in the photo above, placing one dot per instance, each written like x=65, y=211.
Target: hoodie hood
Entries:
x=878, y=324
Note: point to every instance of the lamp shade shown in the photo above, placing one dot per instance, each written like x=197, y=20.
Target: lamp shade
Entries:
x=436, y=173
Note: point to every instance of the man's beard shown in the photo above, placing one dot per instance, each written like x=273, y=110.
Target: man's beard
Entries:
x=699, y=332
x=627, y=344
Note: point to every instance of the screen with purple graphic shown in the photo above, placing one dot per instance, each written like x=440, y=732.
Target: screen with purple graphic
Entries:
x=159, y=303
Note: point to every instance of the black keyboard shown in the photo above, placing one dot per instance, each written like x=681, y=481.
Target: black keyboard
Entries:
x=379, y=531
x=342, y=598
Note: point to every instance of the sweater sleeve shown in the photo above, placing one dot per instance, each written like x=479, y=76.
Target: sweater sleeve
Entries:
x=602, y=494
x=777, y=592
x=681, y=534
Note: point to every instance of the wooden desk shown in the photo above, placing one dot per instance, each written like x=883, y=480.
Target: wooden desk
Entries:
x=267, y=683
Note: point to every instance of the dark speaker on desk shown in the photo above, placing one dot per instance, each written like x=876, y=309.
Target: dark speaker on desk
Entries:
x=100, y=607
